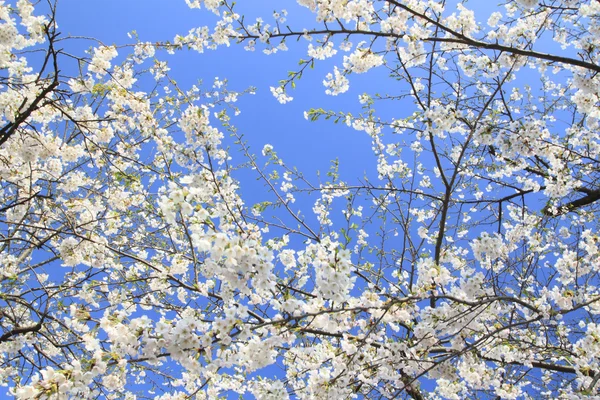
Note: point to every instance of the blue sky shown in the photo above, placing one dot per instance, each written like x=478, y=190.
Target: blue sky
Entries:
x=309, y=146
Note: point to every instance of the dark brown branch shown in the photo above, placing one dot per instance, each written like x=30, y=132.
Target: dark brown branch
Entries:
x=458, y=39
x=9, y=129
x=515, y=50
x=591, y=197
x=23, y=201
x=463, y=39
x=20, y=331
x=535, y=364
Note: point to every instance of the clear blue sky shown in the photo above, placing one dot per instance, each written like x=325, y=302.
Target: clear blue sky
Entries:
x=309, y=146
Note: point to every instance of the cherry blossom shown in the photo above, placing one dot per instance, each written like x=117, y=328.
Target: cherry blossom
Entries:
x=465, y=265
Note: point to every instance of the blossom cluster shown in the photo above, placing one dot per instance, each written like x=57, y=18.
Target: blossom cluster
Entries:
x=464, y=261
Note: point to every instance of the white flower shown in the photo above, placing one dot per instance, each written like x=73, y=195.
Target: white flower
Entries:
x=267, y=149
x=101, y=61
x=528, y=3
x=322, y=52
x=280, y=95
x=336, y=83
x=362, y=60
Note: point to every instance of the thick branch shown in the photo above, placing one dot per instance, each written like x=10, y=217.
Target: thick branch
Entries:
x=9, y=129
x=20, y=331
x=463, y=39
x=591, y=197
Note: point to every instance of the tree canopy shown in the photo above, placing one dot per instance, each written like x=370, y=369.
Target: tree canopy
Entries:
x=467, y=266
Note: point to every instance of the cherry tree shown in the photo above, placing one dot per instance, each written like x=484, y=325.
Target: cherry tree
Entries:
x=466, y=267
